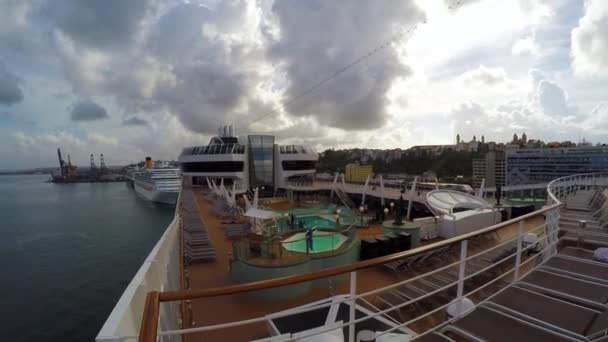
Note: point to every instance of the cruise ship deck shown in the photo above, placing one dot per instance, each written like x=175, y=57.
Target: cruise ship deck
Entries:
x=498, y=283
x=242, y=307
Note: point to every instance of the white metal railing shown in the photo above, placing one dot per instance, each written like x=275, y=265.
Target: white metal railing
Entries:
x=557, y=191
x=386, y=192
x=159, y=272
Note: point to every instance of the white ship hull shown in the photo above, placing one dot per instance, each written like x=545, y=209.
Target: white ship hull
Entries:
x=150, y=193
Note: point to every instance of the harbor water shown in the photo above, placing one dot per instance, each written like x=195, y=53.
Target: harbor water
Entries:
x=67, y=253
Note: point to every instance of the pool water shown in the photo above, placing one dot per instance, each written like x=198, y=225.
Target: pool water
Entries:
x=315, y=221
x=322, y=242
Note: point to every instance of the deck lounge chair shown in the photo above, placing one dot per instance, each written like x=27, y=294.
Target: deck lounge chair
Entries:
x=487, y=324
x=197, y=241
x=433, y=337
x=588, y=236
x=566, y=287
x=549, y=312
x=396, y=265
x=578, y=253
x=586, y=270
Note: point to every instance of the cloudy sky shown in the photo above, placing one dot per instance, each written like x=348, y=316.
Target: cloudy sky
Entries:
x=148, y=77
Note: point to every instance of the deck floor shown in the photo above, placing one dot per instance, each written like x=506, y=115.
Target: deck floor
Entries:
x=231, y=308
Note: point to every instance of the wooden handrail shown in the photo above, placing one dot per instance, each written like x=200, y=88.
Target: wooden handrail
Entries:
x=149, y=323
x=334, y=271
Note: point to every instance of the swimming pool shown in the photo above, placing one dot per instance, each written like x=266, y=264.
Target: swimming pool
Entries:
x=322, y=242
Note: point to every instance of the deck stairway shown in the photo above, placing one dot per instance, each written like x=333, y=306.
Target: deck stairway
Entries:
x=344, y=198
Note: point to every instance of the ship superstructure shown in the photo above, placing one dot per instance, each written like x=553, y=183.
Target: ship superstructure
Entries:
x=252, y=161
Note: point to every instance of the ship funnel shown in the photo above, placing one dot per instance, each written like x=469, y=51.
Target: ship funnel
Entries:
x=148, y=163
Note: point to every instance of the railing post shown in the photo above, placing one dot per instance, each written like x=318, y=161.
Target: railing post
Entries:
x=353, y=300
x=520, y=231
x=463, y=256
x=581, y=227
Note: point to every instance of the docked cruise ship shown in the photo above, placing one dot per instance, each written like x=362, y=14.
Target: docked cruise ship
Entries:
x=158, y=184
x=130, y=178
x=214, y=276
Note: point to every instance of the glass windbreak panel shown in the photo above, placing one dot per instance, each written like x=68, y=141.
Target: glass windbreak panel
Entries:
x=261, y=160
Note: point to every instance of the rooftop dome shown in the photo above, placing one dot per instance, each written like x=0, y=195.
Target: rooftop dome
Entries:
x=443, y=202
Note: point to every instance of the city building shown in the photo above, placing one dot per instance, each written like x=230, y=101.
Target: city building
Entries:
x=471, y=146
x=429, y=150
x=491, y=168
x=395, y=154
x=429, y=176
x=248, y=162
x=436, y=150
x=357, y=173
x=541, y=165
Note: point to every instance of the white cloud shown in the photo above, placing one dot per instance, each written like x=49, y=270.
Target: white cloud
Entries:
x=597, y=121
x=590, y=40
x=101, y=139
x=480, y=25
x=10, y=90
x=88, y=110
x=185, y=69
x=543, y=113
x=552, y=99
x=485, y=77
x=525, y=46
x=356, y=100
x=134, y=121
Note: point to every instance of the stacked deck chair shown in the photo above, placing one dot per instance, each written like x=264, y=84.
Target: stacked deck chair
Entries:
x=197, y=245
x=565, y=299
x=221, y=208
x=235, y=230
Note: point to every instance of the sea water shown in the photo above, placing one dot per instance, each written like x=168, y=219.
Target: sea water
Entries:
x=67, y=252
